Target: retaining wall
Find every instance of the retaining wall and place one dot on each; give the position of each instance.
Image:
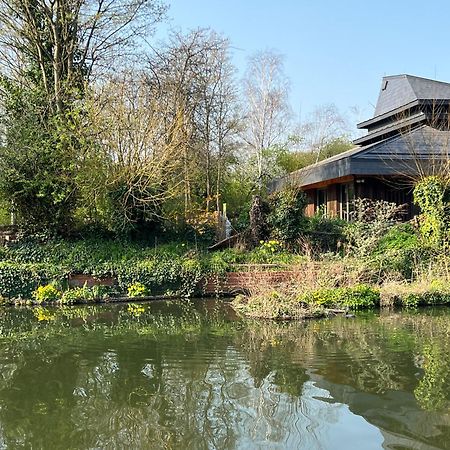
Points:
(236, 282)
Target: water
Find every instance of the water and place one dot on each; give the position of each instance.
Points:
(192, 375)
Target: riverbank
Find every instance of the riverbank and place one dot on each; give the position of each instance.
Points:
(272, 282)
(295, 301)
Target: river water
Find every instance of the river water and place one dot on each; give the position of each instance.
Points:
(193, 375)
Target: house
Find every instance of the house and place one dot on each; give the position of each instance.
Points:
(408, 136)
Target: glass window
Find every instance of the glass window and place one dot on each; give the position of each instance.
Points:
(321, 200)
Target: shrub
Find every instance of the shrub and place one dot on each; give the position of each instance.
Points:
(399, 237)
(357, 297)
(83, 294)
(47, 294)
(205, 224)
(421, 293)
(286, 217)
(372, 220)
(432, 195)
(325, 233)
(137, 290)
(21, 280)
(76, 295)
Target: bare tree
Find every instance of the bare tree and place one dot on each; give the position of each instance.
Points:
(216, 117)
(141, 146)
(195, 72)
(267, 110)
(65, 40)
(322, 126)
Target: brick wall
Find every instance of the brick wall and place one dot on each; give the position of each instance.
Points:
(235, 282)
(89, 280)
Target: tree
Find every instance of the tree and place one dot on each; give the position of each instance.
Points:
(50, 50)
(66, 41)
(197, 78)
(324, 129)
(37, 164)
(141, 149)
(267, 110)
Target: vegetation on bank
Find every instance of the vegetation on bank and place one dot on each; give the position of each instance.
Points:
(139, 268)
(377, 260)
(103, 159)
(373, 260)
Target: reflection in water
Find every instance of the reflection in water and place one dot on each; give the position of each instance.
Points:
(194, 376)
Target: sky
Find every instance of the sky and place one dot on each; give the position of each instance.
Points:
(335, 51)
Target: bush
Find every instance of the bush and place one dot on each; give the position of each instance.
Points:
(372, 220)
(47, 294)
(399, 237)
(83, 294)
(325, 233)
(76, 295)
(432, 195)
(21, 280)
(137, 290)
(357, 297)
(421, 293)
(286, 217)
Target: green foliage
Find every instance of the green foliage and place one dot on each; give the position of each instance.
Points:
(164, 273)
(289, 161)
(21, 280)
(437, 294)
(411, 300)
(137, 290)
(371, 221)
(75, 295)
(286, 216)
(398, 252)
(417, 293)
(398, 262)
(37, 160)
(47, 294)
(356, 297)
(399, 237)
(432, 195)
(325, 234)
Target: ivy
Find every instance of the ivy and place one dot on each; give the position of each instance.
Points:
(432, 195)
(286, 216)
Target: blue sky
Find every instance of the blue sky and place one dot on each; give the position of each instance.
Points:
(335, 51)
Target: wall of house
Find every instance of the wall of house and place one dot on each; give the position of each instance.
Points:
(332, 200)
(311, 199)
(393, 190)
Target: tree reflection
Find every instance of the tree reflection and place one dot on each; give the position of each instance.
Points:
(186, 375)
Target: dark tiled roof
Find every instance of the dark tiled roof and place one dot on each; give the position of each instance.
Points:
(391, 127)
(403, 154)
(399, 90)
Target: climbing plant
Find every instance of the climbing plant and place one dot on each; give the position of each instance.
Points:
(432, 195)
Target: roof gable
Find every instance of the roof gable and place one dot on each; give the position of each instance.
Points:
(400, 90)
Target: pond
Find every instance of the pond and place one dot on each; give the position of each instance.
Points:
(192, 375)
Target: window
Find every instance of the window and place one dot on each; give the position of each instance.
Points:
(321, 201)
(345, 198)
